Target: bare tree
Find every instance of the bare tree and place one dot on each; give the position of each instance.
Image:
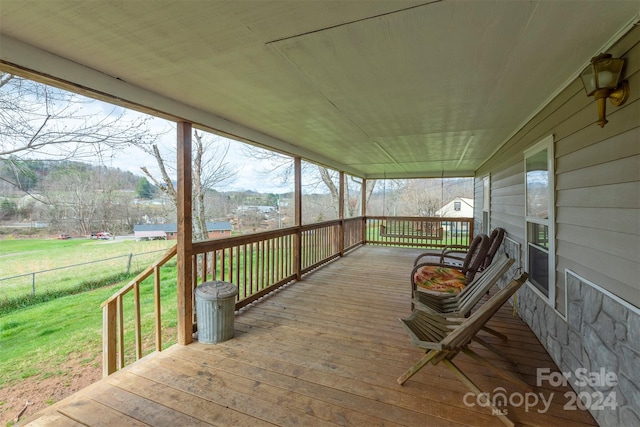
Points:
(210, 168)
(43, 120)
(314, 175)
(327, 177)
(73, 198)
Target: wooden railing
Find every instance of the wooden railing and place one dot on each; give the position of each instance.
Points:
(320, 244)
(430, 232)
(257, 263)
(113, 335)
(352, 230)
(262, 262)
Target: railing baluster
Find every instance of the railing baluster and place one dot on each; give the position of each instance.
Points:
(252, 268)
(194, 284)
(136, 308)
(223, 264)
(120, 332)
(279, 269)
(269, 256)
(231, 264)
(263, 276)
(214, 265)
(157, 307)
(238, 265)
(204, 267)
(244, 271)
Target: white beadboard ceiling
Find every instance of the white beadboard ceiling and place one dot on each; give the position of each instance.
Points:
(374, 88)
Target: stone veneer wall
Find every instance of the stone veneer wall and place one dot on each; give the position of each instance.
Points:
(600, 332)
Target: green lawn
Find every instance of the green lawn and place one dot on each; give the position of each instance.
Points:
(97, 259)
(35, 341)
(12, 247)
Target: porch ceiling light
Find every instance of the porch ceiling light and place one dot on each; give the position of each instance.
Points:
(601, 79)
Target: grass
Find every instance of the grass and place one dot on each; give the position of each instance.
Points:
(17, 247)
(63, 321)
(100, 260)
(9, 304)
(36, 341)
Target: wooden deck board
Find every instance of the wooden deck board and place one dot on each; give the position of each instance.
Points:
(324, 351)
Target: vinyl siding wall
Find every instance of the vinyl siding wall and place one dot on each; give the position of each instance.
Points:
(594, 322)
(597, 184)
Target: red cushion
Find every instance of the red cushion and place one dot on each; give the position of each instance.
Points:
(440, 279)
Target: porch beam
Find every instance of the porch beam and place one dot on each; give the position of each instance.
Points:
(185, 234)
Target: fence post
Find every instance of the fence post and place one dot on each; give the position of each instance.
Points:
(33, 284)
(129, 263)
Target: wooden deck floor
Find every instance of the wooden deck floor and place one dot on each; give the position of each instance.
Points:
(324, 351)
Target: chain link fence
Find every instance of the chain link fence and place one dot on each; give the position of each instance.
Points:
(70, 276)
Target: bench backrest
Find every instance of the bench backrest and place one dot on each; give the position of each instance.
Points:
(496, 238)
(475, 290)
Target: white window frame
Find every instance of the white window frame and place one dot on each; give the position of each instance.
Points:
(486, 204)
(548, 144)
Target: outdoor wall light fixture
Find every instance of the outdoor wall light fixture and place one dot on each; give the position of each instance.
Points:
(601, 80)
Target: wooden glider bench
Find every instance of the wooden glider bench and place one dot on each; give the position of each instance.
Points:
(443, 338)
(431, 230)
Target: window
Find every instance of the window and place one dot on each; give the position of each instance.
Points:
(457, 206)
(539, 219)
(486, 204)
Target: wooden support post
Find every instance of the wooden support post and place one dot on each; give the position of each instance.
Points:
(363, 203)
(297, 242)
(341, 215)
(185, 235)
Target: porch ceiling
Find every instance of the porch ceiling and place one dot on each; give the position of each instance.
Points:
(375, 88)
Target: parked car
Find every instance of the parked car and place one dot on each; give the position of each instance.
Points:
(103, 235)
(63, 236)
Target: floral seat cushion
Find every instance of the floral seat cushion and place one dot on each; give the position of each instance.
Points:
(440, 279)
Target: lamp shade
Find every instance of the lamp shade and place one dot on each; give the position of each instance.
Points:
(603, 73)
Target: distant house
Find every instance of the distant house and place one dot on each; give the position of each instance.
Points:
(251, 209)
(215, 230)
(457, 208)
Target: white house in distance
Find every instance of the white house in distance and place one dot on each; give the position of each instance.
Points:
(216, 230)
(459, 207)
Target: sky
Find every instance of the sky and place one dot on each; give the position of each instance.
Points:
(252, 174)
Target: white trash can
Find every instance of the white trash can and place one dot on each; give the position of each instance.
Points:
(215, 306)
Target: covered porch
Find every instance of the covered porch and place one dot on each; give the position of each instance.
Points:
(375, 90)
(323, 351)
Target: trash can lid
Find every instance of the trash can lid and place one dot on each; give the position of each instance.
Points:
(215, 290)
